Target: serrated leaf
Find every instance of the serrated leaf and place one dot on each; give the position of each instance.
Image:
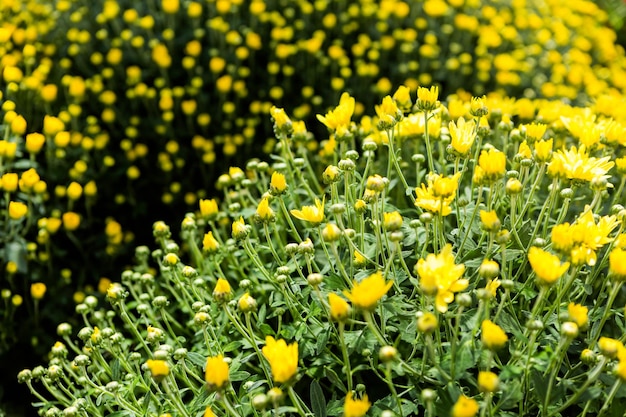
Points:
(239, 376)
(197, 359)
(318, 402)
(334, 379)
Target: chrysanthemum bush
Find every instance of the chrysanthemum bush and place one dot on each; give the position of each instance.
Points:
(432, 260)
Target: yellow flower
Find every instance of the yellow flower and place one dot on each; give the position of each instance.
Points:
(392, 221)
(37, 290)
(369, 291)
(388, 113)
(341, 115)
(548, 268)
(444, 187)
(437, 197)
(339, 308)
(222, 289)
(535, 131)
(427, 322)
(492, 335)
(9, 182)
(578, 314)
(158, 368)
(617, 264)
(543, 150)
(331, 232)
(356, 407)
(264, 212)
(490, 220)
(208, 208)
(71, 220)
(239, 229)
(281, 120)
(18, 125)
(610, 347)
(462, 135)
(488, 381)
(216, 373)
(620, 370)
(283, 358)
(402, 97)
(209, 243)
(524, 151)
(439, 276)
(465, 407)
(576, 164)
(313, 214)
(17, 210)
(52, 125)
(492, 162)
(208, 412)
(278, 184)
(74, 190)
(170, 6)
(34, 142)
(427, 98)
(246, 303)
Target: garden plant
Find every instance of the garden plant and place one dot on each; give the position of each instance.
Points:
(393, 208)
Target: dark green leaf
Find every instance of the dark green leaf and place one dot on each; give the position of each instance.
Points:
(197, 359)
(318, 402)
(334, 379)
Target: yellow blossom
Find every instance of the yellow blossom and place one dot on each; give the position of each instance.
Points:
(239, 229)
(578, 314)
(441, 277)
(71, 220)
(9, 182)
(355, 407)
(17, 210)
(222, 289)
(341, 115)
(388, 113)
(313, 214)
(402, 97)
(492, 162)
(283, 358)
(158, 368)
(427, 99)
(264, 212)
(281, 120)
(524, 152)
(278, 184)
(543, 150)
(208, 208)
(34, 142)
(462, 135)
(216, 373)
(548, 268)
(246, 303)
(610, 347)
(37, 290)
(535, 131)
(490, 220)
(392, 221)
(576, 164)
(492, 335)
(617, 264)
(369, 291)
(427, 322)
(465, 407)
(488, 381)
(209, 243)
(339, 308)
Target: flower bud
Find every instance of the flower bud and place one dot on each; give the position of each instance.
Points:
(387, 353)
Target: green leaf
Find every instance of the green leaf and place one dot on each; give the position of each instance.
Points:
(197, 359)
(540, 384)
(334, 379)
(318, 402)
(239, 376)
(116, 370)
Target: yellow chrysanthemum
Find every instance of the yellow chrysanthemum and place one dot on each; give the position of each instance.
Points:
(341, 115)
(339, 308)
(283, 358)
(465, 407)
(369, 291)
(441, 277)
(492, 335)
(548, 268)
(354, 407)
(462, 135)
(216, 373)
(576, 164)
(313, 214)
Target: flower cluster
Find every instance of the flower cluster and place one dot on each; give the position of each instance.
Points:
(468, 274)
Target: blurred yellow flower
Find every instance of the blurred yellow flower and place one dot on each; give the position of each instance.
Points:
(492, 335)
(264, 212)
(9, 182)
(369, 291)
(492, 162)
(576, 164)
(578, 314)
(543, 150)
(462, 135)
(617, 264)
(209, 243)
(339, 308)
(465, 407)
(488, 381)
(71, 220)
(37, 290)
(208, 208)
(34, 142)
(283, 358)
(216, 373)
(17, 210)
(441, 277)
(548, 268)
(313, 214)
(158, 368)
(278, 183)
(355, 407)
(341, 115)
